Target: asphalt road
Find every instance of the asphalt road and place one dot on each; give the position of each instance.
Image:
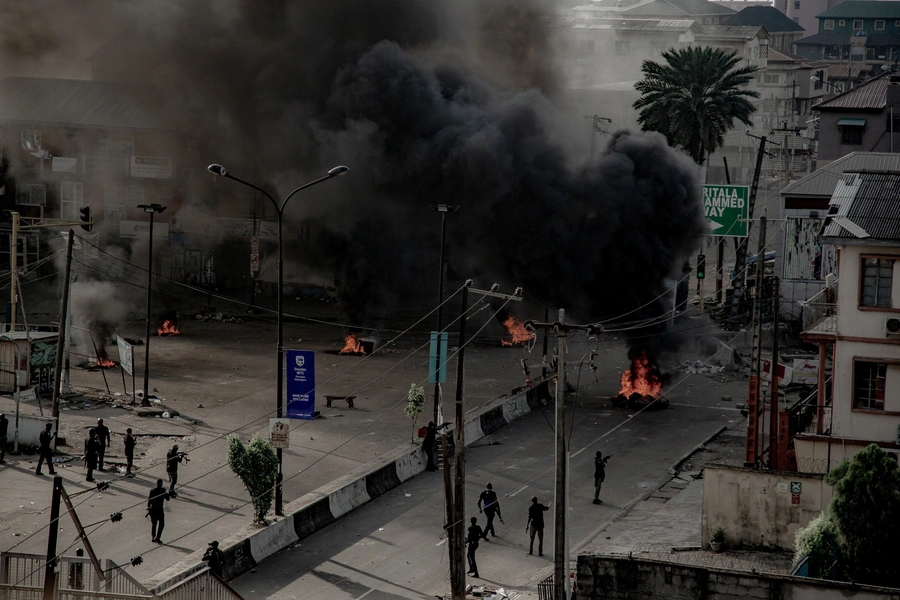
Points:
(393, 547)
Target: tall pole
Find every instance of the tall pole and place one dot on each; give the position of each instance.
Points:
(754, 402)
(458, 582)
(146, 399)
(773, 414)
(279, 498)
(741, 254)
(560, 551)
(437, 383)
(13, 268)
(61, 336)
(50, 567)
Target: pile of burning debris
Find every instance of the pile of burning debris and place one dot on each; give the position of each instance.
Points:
(642, 385)
(218, 318)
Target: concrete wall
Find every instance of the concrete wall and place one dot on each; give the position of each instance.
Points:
(316, 510)
(757, 508)
(30, 428)
(621, 578)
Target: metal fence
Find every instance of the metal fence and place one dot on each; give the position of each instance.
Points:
(203, 585)
(820, 311)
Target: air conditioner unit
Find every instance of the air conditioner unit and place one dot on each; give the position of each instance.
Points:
(892, 326)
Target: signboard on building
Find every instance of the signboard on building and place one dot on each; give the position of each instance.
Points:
(126, 355)
(42, 362)
(154, 167)
(301, 384)
(726, 208)
(64, 164)
(280, 433)
(134, 229)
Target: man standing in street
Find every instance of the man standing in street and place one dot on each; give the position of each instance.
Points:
(173, 457)
(428, 445)
(535, 525)
(474, 534)
(4, 431)
(155, 503)
(130, 443)
(490, 506)
(104, 441)
(91, 453)
(45, 451)
(599, 475)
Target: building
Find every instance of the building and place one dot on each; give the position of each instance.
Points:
(860, 120)
(855, 31)
(804, 12)
(783, 32)
(860, 322)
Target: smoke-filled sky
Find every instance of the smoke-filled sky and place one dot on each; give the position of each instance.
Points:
(427, 101)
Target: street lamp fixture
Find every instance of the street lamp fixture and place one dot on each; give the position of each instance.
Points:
(152, 210)
(838, 89)
(279, 211)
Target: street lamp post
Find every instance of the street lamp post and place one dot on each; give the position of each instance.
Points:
(816, 79)
(152, 210)
(443, 209)
(279, 211)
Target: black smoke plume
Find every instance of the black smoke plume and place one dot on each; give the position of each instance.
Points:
(427, 101)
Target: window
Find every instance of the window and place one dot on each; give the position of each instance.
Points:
(879, 25)
(817, 82)
(31, 194)
(116, 145)
(71, 200)
(842, 22)
(851, 134)
(829, 24)
(893, 122)
(796, 5)
(896, 23)
(623, 47)
(877, 278)
(857, 25)
(868, 384)
(772, 78)
(796, 19)
(31, 139)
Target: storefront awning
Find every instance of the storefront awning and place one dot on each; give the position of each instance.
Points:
(852, 122)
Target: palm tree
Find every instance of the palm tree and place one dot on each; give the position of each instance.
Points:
(694, 98)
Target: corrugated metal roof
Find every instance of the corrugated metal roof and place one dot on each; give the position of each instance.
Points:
(769, 17)
(870, 201)
(88, 103)
(637, 24)
(679, 8)
(862, 9)
(732, 32)
(822, 182)
(847, 71)
(869, 95)
(775, 55)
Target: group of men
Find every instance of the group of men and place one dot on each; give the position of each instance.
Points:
(489, 504)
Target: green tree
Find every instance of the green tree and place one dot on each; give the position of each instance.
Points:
(415, 404)
(694, 98)
(257, 466)
(866, 510)
(819, 541)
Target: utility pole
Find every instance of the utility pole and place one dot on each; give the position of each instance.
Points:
(63, 319)
(50, 567)
(753, 399)
(741, 253)
(13, 268)
(443, 209)
(456, 509)
(561, 582)
(773, 408)
(596, 122)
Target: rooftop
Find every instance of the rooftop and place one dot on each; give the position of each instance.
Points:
(869, 95)
(87, 103)
(862, 9)
(768, 16)
(823, 181)
(683, 8)
(865, 208)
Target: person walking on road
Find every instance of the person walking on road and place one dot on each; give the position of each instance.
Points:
(45, 451)
(155, 503)
(173, 458)
(91, 453)
(535, 525)
(428, 445)
(4, 431)
(104, 441)
(475, 533)
(490, 506)
(130, 442)
(599, 475)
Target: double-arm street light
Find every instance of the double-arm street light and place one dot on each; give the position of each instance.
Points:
(837, 89)
(279, 211)
(152, 210)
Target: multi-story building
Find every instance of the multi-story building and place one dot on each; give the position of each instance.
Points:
(860, 322)
(855, 31)
(782, 31)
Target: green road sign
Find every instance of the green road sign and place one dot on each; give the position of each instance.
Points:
(726, 209)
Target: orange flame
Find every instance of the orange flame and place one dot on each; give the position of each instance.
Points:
(167, 328)
(353, 345)
(105, 363)
(640, 378)
(517, 330)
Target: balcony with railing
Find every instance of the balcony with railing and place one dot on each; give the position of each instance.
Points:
(820, 314)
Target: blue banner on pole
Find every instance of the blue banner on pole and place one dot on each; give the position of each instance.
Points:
(301, 384)
(437, 358)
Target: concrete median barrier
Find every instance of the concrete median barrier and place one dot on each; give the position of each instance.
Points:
(348, 497)
(382, 480)
(273, 538)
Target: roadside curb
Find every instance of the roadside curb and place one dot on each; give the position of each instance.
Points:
(316, 510)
